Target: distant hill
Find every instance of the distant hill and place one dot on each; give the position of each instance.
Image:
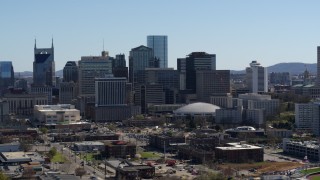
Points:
(292, 68)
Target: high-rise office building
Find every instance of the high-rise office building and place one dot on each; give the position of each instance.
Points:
(70, 72)
(318, 65)
(182, 68)
(111, 91)
(44, 66)
(91, 67)
(148, 94)
(168, 78)
(140, 58)
(211, 82)
(119, 68)
(256, 78)
(6, 75)
(194, 62)
(159, 45)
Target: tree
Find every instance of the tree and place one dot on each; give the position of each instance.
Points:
(43, 130)
(52, 152)
(3, 176)
(80, 172)
(24, 145)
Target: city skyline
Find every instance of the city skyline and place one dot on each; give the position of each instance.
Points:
(238, 32)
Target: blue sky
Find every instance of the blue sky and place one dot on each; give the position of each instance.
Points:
(238, 32)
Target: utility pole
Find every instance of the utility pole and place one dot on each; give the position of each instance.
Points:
(164, 149)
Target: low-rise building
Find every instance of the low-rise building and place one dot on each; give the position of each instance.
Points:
(89, 146)
(161, 141)
(56, 114)
(17, 158)
(120, 149)
(308, 149)
(279, 133)
(135, 172)
(85, 137)
(10, 147)
(239, 153)
(245, 132)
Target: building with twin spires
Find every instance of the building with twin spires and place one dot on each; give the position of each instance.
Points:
(43, 66)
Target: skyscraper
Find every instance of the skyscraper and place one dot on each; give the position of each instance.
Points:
(194, 62)
(159, 45)
(210, 82)
(70, 72)
(44, 66)
(111, 91)
(91, 67)
(140, 58)
(6, 74)
(119, 68)
(256, 78)
(318, 65)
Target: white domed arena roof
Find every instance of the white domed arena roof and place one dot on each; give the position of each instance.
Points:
(197, 108)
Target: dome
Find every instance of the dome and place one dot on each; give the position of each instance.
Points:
(197, 109)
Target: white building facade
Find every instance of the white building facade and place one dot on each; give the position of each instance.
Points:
(56, 114)
(257, 77)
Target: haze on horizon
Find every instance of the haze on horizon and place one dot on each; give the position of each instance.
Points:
(236, 31)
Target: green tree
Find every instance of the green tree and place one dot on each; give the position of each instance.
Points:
(3, 176)
(80, 172)
(43, 130)
(52, 152)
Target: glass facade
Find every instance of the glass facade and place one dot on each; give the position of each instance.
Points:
(159, 44)
(6, 74)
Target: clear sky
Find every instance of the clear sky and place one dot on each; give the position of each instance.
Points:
(238, 32)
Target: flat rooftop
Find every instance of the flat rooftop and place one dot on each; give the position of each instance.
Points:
(21, 156)
(88, 143)
(238, 146)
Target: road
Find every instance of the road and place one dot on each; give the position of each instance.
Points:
(75, 161)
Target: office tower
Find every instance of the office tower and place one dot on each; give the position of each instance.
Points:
(168, 78)
(6, 75)
(194, 62)
(140, 58)
(148, 94)
(70, 72)
(318, 65)
(111, 100)
(110, 91)
(182, 68)
(43, 66)
(119, 68)
(280, 78)
(91, 67)
(68, 92)
(159, 45)
(257, 78)
(212, 82)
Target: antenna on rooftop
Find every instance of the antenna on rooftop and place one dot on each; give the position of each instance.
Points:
(102, 44)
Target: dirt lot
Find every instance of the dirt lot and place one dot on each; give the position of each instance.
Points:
(262, 167)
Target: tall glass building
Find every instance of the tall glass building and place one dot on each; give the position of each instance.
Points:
(6, 74)
(159, 44)
(44, 66)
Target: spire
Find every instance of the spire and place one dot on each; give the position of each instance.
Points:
(102, 44)
(35, 43)
(52, 43)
